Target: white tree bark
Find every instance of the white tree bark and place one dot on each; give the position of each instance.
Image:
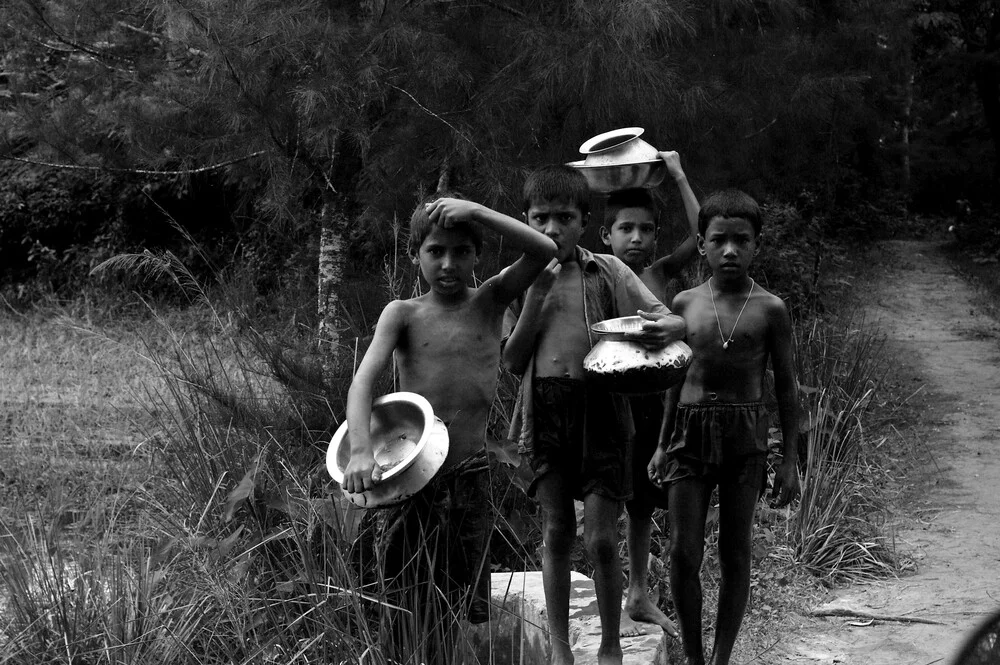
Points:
(331, 274)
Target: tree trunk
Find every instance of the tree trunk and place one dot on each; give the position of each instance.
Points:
(331, 275)
(907, 122)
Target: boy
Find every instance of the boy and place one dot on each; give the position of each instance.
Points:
(715, 425)
(446, 345)
(630, 230)
(575, 439)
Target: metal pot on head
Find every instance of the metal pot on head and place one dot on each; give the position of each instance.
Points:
(619, 159)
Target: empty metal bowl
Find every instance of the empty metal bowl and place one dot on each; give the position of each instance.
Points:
(410, 445)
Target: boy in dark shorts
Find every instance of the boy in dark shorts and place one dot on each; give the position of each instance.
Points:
(575, 438)
(630, 230)
(446, 346)
(715, 425)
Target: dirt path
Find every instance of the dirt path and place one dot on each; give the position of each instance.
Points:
(952, 529)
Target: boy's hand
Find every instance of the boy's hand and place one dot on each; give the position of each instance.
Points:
(543, 283)
(657, 467)
(660, 329)
(673, 161)
(786, 484)
(362, 473)
(447, 212)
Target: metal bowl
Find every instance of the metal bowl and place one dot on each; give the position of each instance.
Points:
(606, 179)
(409, 442)
(618, 147)
(620, 363)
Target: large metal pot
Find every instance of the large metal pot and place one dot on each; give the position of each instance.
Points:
(410, 444)
(619, 159)
(620, 363)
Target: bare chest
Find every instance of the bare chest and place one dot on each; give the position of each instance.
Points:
(564, 339)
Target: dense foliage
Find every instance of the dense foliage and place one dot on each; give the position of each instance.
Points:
(365, 105)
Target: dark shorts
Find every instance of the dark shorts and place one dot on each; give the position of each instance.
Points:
(647, 414)
(448, 522)
(722, 444)
(579, 433)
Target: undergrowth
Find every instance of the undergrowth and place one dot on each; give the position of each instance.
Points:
(236, 547)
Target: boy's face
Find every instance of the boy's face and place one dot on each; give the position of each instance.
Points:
(729, 245)
(632, 237)
(447, 258)
(562, 222)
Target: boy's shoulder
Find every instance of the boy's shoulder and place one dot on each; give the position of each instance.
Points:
(768, 301)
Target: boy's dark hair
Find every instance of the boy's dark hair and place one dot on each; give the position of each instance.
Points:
(729, 203)
(420, 224)
(628, 198)
(557, 183)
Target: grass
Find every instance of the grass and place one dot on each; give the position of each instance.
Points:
(168, 503)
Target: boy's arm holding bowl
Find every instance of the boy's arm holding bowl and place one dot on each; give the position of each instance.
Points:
(786, 476)
(537, 248)
(671, 264)
(362, 472)
(660, 327)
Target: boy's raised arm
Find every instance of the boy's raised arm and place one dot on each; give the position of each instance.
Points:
(362, 472)
(672, 263)
(786, 476)
(538, 249)
(520, 346)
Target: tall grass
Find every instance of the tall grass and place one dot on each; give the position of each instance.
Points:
(237, 547)
(838, 529)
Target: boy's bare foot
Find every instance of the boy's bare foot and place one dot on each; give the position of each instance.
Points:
(641, 608)
(629, 628)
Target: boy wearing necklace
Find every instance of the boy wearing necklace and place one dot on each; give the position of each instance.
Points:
(715, 425)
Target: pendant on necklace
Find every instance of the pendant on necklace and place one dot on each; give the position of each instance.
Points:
(725, 345)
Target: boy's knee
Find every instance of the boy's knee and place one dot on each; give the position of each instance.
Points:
(734, 560)
(601, 545)
(558, 535)
(686, 553)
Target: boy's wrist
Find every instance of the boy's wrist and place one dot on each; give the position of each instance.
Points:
(680, 176)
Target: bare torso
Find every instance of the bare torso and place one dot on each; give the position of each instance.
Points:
(736, 373)
(451, 356)
(563, 340)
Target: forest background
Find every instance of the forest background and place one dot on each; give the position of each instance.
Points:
(264, 157)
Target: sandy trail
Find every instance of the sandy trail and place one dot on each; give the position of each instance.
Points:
(951, 531)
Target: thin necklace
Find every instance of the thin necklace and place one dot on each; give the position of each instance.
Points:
(726, 342)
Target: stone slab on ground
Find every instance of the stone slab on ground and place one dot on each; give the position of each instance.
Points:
(518, 633)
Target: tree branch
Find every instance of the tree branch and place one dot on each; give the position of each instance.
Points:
(857, 614)
(435, 115)
(108, 169)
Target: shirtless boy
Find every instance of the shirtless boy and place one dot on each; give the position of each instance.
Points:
(446, 345)
(715, 425)
(630, 229)
(574, 437)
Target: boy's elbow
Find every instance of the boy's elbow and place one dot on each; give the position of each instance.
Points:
(512, 363)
